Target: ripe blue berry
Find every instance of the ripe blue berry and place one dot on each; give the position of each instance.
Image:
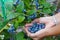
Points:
(42, 25)
(33, 16)
(37, 5)
(24, 10)
(17, 1)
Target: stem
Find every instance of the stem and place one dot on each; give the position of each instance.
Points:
(3, 9)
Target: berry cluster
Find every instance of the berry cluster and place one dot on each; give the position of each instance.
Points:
(33, 16)
(37, 4)
(36, 27)
(11, 29)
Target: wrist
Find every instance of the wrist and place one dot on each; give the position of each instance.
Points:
(57, 16)
(56, 19)
(44, 33)
(48, 32)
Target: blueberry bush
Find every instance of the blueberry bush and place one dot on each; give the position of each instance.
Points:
(14, 14)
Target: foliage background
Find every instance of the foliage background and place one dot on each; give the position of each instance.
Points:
(19, 14)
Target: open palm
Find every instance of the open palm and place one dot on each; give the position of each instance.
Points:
(49, 22)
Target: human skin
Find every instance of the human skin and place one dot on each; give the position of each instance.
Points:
(50, 28)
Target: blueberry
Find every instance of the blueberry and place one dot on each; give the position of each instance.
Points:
(29, 29)
(37, 5)
(42, 25)
(39, 27)
(17, 1)
(33, 29)
(33, 16)
(24, 10)
(8, 30)
(36, 29)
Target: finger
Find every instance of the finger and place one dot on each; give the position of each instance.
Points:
(28, 33)
(24, 29)
(28, 25)
(36, 20)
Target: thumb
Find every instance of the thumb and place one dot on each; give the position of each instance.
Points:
(36, 20)
(28, 25)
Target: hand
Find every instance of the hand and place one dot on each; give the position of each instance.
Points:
(36, 36)
(41, 33)
(49, 21)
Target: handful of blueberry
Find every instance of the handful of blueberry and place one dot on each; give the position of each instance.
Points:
(36, 27)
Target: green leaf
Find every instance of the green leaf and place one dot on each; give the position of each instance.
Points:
(20, 7)
(8, 0)
(30, 12)
(1, 14)
(27, 3)
(8, 5)
(3, 24)
(21, 19)
(47, 11)
(16, 24)
(11, 15)
(6, 34)
(53, 7)
(42, 1)
(19, 36)
(46, 5)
